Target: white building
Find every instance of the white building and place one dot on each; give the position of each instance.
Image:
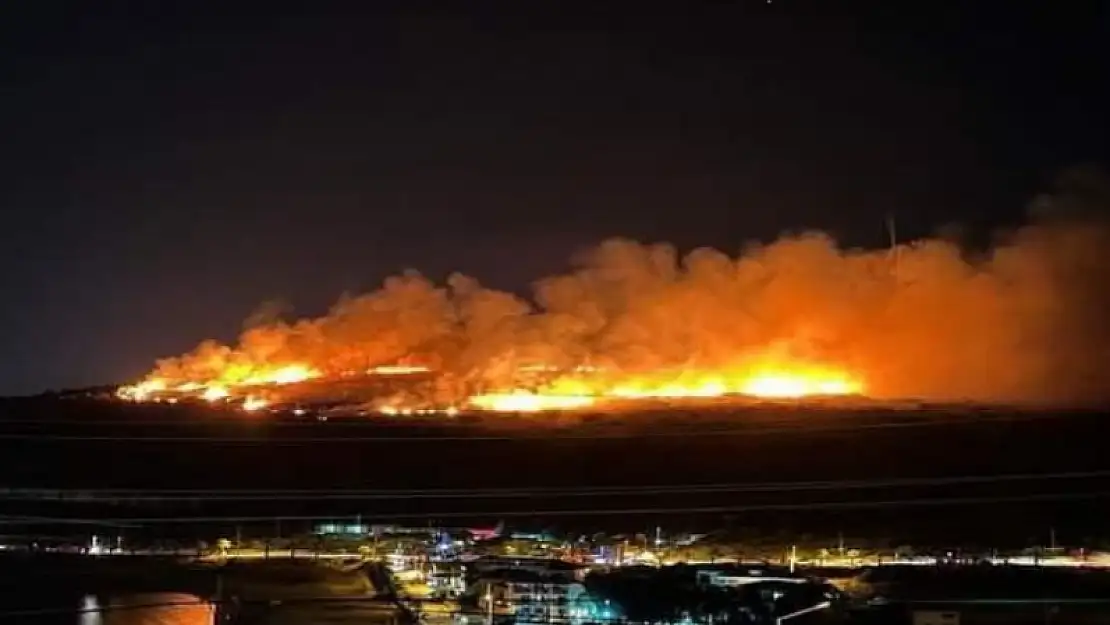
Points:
(530, 597)
(739, 576)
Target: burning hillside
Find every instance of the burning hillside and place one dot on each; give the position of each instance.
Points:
(1023, 322)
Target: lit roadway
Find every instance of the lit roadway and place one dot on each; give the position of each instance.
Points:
(1097, 560)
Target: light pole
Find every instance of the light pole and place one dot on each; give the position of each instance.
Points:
(489, 604)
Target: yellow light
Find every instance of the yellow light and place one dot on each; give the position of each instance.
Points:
(524, 401)
(214, 393)
(396, 370)
(289, 374)
(790, 386)
(141, 391)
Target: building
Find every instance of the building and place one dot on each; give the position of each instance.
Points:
(446, 580)
(341, 529)
(549, 567)
(734, 576)
(529, 596)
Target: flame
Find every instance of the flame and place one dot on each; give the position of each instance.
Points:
(580, 387)
(524, 401)
(215, 393)
(793, 386)
(396, 370)
(143, 390)
(578, 393)
(289, 374)
(797, 317)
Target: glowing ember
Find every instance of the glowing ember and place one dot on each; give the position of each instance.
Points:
(214, 393)
(579, 388)
(783, 385)
(713, 388)
(580, 391)
(290, 374)
(396, 370)
(523, 401)
(141, 391)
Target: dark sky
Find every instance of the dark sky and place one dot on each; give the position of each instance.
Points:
(167, 166)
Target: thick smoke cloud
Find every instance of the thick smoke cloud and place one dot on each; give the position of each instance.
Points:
(1025, 321)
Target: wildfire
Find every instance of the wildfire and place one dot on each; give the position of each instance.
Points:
(577, 393)
(251, 403)
(214, 393)
(781, 385)
(290, 374)
(524, 401)
(220, 388)
(632, 323)
(579, 388)
(396, 370)
(143, 390)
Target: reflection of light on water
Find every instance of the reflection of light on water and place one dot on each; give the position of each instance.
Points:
(182, 610)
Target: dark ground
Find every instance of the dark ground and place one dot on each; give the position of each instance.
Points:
(80, 444)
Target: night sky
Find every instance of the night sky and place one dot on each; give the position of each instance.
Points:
(168, 166)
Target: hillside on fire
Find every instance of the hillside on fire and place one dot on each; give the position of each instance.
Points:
(1022, 322)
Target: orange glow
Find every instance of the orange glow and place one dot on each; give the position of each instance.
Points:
(578, 391)
(798, 317)
(582, 387)
(289, 374)
(396, 370)
(792, 386)
(214, 393)
(142, 391)
(524, 401)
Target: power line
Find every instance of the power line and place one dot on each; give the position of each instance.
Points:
(541, 436)
(80, 495)
(17, 519)
(768, 507)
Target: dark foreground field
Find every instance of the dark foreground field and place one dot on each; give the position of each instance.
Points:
(910, 472)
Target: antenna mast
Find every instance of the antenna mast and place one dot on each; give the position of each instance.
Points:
(892, 231)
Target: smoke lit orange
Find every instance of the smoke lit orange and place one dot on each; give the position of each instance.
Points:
(794, 319)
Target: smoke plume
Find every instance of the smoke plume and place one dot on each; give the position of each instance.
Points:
(1025, 321)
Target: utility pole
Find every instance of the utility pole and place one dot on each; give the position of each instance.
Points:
(893, 233)
(489, 603)
(218, 602)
